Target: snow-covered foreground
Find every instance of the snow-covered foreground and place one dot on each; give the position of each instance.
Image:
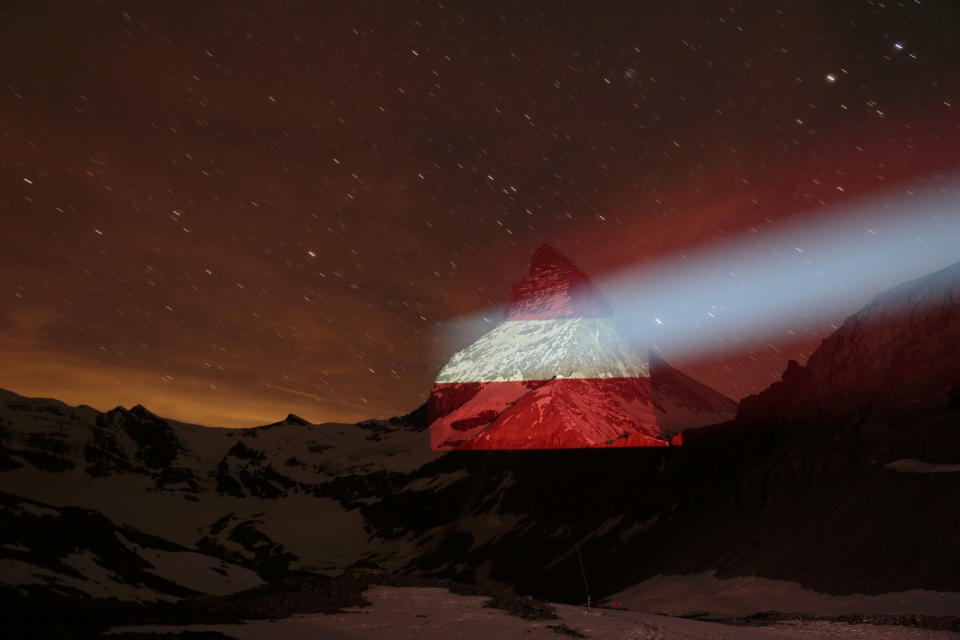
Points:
(408, 613)
(707, 596)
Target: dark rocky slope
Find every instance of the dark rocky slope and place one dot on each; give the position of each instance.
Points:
(807, 493)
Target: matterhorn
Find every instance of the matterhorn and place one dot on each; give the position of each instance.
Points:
(556, 374)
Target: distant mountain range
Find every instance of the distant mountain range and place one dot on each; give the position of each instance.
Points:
(841, 477)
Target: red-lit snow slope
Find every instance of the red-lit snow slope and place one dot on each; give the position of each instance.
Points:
(557, 375)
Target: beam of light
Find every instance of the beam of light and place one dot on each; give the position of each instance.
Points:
(768, 284)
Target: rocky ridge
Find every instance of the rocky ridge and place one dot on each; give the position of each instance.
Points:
(804, 485)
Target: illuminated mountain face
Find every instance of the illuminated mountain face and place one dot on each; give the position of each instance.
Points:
(554, 289)
(556, 374)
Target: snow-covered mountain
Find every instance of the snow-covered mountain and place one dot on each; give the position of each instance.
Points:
(556, 374)
(540, 350)
(79, 552)
(260, 497)
(790, 490)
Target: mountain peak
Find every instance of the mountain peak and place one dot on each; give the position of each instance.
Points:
(142, 412)
(546, 257)
(555, 288)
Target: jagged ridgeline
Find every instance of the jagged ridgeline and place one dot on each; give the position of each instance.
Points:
(786, 490)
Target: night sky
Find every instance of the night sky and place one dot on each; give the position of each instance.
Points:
(228, 211)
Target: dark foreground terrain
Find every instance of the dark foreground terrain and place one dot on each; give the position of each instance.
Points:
(841, 479)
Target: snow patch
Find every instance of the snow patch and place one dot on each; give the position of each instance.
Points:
(909, 465)
(195, 571)
(704, 593)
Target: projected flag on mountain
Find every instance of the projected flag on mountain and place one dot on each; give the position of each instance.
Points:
(554, 375)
